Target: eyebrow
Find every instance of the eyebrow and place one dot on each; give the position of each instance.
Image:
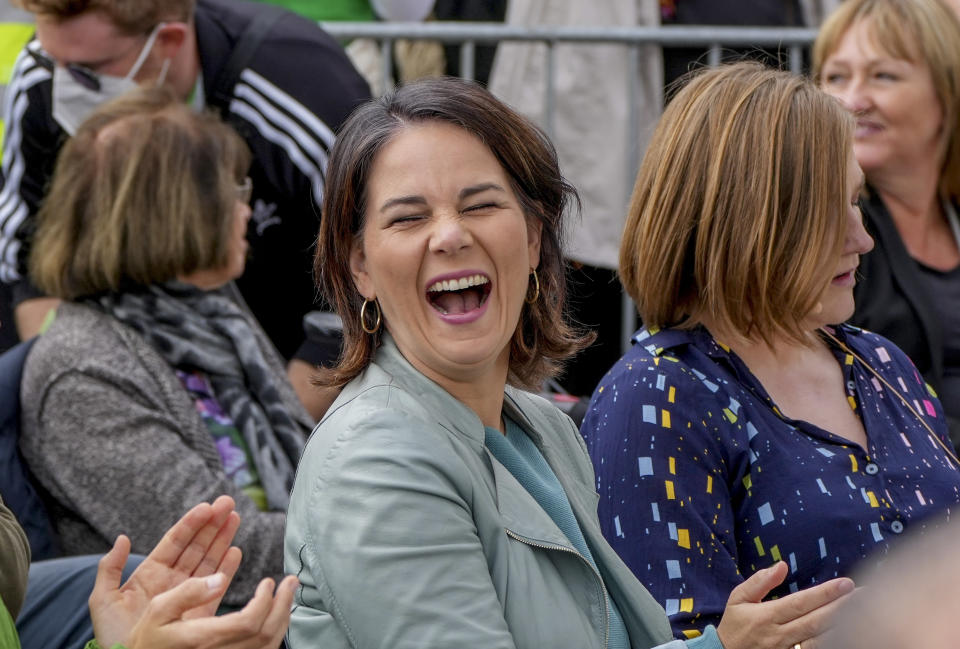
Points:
(874, 62)
(466, 192)
(403, 200)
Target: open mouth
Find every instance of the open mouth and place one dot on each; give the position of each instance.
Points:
(458, 296)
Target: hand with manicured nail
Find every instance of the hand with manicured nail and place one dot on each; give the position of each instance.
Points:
(170, 599)
(259, 625)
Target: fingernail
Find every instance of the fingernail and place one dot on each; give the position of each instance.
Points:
(294, 584)
(215, 581)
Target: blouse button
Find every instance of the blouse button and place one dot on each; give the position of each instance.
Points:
(896, 527)
(871, 469)
(851, 386)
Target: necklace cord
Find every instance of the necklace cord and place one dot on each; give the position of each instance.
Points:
(845, 348)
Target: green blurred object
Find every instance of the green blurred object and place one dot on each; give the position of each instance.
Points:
(348, 10)
(13, 36)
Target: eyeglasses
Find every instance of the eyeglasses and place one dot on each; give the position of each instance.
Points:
(245, 190)
(87, 77)
(80, 73)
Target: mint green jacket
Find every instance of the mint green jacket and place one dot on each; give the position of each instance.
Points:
(405, 531)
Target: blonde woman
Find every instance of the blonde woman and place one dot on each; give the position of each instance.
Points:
(895, 65)
(747, 427)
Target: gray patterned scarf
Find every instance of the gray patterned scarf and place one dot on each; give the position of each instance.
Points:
(208, 331)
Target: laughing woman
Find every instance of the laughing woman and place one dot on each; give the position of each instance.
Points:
(437, 503)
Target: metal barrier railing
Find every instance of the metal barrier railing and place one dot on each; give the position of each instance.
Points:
(713, 39)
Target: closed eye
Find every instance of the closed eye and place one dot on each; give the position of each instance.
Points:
(479, 207)
(404, 219)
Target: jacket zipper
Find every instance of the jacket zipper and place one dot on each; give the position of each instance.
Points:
(560, 548)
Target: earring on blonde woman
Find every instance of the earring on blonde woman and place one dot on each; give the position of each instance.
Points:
(363, 317)
(536, 288)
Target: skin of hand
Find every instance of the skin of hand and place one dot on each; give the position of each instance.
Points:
(198, 545)
(801, 617)
(259, 625)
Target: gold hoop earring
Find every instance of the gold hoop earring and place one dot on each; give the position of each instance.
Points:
(363, 317)
(536, 288)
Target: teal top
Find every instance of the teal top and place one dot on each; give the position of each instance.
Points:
(521, 457)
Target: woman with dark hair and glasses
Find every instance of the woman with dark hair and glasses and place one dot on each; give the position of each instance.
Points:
(153, 388)
(438, 503)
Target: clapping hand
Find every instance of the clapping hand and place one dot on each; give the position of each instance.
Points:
(170, 599)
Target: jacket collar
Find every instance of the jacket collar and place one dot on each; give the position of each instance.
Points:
(450, 412)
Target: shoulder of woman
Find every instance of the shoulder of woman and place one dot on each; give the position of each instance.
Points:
(882, 354)
(671, 375)
(78, 337)
(383, 421)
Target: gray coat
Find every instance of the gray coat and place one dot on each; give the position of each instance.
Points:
(118, 444)
(405, 531)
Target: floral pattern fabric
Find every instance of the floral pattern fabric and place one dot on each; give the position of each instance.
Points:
(234, 453)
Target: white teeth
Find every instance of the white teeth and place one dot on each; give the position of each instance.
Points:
(458, 284)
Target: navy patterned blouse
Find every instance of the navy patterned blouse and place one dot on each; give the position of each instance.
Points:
(702, 481)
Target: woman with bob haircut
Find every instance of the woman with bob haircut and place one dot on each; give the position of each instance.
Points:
(153, 389)
(747, 427)
(895, 65)
(439, 504)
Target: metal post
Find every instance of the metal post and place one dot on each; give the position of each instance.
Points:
(796, 59)
(628, 319)
(386, 63)
(467, 60)
(713, 57)
(551, 95)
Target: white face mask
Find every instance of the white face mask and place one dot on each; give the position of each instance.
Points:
(73, 102)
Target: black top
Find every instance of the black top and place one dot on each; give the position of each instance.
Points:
(772, 13)
(945, 286)
(894, 299)
(290, 99)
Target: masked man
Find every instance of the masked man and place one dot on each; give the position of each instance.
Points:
(281, 81)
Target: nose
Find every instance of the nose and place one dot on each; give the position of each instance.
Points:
(858, 240)
(449, 235)
(855, 97)
(243, 211)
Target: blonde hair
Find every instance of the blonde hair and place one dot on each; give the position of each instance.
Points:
(738, 212)
(923, 32)
(133, 18)
(144, 192)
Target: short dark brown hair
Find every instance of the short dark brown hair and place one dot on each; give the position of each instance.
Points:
(143, 192)
(542, 340)
(130, 17)
(737, 215)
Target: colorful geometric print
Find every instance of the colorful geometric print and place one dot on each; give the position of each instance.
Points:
(702, 482)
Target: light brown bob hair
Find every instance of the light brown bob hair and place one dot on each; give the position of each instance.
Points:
(738, 214)
(144, 192)
(542, 339)
(924, 32)
(132, 17)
